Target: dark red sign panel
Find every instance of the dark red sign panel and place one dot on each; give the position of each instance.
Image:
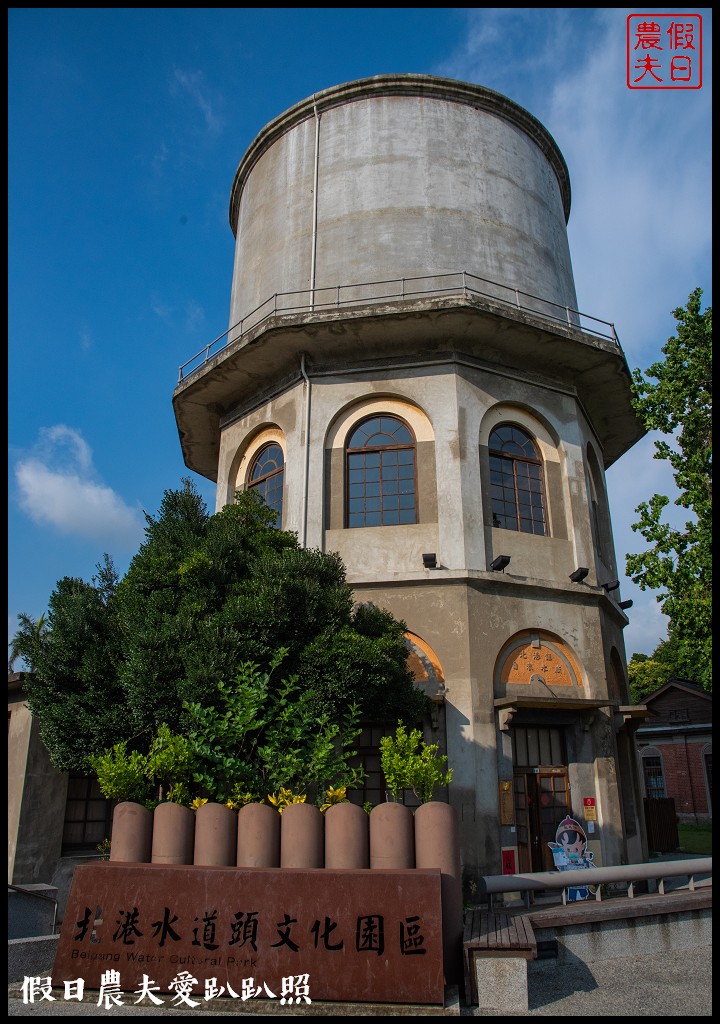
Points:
(290, 934)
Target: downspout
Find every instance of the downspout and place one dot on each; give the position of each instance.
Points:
(306, 466)
(313, 244)
(313, 248)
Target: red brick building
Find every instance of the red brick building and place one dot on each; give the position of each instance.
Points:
(675, 748)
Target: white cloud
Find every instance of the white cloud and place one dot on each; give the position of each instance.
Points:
(639, 161)
(640, 223)
(87, 342)
(193, 84)
(58, 489)
(194, 316)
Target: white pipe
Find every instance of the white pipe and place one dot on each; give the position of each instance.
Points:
(306, 467)
(490, 884)
(315, 205)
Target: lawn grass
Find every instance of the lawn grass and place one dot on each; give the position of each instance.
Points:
(696, 839)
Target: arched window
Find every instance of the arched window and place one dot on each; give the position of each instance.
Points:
(516, 481)
(381, 473)
(266, 476)
(653, 773)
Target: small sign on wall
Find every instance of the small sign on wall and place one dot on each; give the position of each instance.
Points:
(505, 799)
(589, 808)
(509, 861)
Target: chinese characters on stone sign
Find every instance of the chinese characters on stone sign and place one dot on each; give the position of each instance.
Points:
(664, 51)
(349, 930)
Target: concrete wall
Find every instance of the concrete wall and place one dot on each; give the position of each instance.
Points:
(451, 415)
(367, 183)
(36, 800)
(463, 610)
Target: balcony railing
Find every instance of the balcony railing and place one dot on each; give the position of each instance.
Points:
(346, 296)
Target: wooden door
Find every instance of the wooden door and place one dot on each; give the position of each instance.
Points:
(542, 800)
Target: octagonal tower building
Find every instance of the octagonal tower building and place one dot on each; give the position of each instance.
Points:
(408, 381)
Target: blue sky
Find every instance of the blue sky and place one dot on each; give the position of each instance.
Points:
(126, 127)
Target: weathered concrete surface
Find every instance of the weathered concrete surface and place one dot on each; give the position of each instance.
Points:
(31, 957)
(610, 940)
(502, 981)
(31, 911)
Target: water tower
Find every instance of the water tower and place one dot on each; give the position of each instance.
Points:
(408, 381)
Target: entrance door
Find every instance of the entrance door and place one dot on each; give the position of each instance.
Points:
(542, 800)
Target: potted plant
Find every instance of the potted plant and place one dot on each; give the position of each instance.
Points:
(410, 763)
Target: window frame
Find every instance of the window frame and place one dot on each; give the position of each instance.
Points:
(514, 460)
(653, 766)
(348, 451)
(84, 797)
(253, 485)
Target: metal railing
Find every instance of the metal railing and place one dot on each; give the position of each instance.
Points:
(346, 296)
(38, 896)
(629, 874)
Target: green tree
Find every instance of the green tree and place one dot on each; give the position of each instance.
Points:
(73, 653)
(675, 398)
(115, 660)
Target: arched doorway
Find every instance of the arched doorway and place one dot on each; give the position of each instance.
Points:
(534, 665)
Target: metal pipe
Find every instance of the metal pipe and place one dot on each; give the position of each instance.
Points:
(489, 884)
(306, 466)
(313, 243)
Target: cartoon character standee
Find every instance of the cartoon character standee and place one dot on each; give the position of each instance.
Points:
(570, 853)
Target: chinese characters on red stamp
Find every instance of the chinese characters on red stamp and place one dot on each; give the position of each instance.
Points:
(664, 51)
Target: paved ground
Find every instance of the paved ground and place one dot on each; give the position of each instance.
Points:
(672, 984)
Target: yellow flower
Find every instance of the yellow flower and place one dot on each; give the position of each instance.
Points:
(334, 796)
(284, 798)
(198, 802)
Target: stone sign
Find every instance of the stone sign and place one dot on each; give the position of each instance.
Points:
(345, 935)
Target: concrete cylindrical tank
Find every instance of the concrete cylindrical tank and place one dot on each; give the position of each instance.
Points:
(437, 845)
(400, 176)
(392, 837)
(215, 835)
(173, 837)
(132, 830)
(258, 837)
(347, 837)
(302, 837)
